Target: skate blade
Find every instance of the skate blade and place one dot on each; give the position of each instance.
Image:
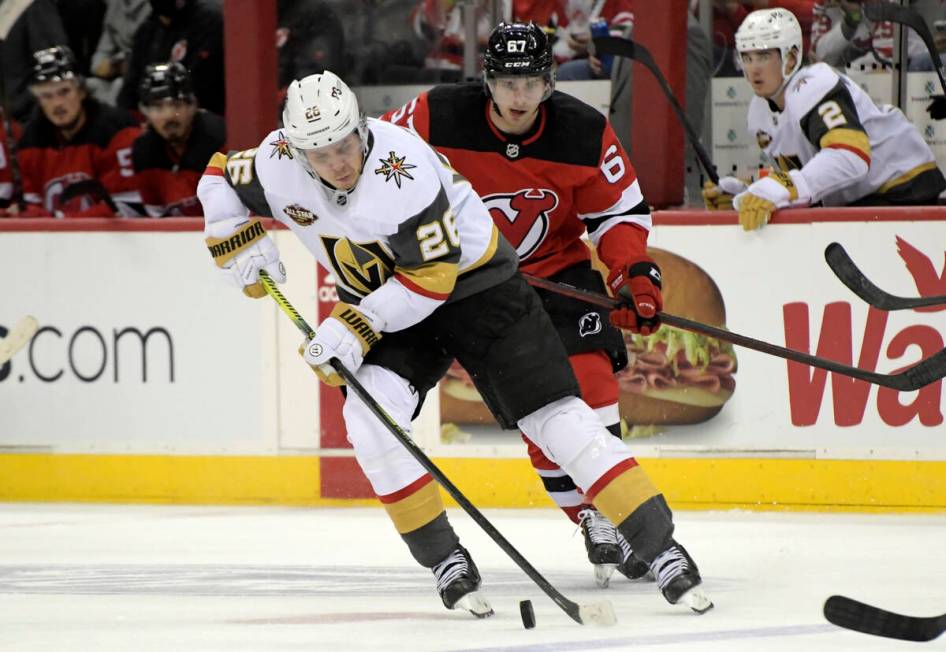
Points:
(476, 604)
(597, 613)
(696, 600)
(603, 573)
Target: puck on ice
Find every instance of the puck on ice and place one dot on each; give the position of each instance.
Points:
(527, 613)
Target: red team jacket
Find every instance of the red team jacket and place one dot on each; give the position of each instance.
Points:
(544, 189)
(100, 151)
(168, 183)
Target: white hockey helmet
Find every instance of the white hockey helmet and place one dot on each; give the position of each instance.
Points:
(767, 29)
(321, 110)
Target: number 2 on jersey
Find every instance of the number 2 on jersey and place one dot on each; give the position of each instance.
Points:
(431, 238)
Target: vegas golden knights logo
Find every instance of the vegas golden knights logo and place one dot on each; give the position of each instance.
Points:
(362, 267)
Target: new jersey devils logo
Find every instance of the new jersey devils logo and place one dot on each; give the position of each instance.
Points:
(523, 217)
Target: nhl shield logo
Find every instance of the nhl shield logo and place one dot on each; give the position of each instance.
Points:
(762, 139)
(589, 324)
(299, 215)
(512, 150)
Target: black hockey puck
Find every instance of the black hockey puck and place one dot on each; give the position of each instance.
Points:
(527, 613)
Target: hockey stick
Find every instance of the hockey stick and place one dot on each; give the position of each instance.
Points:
(629, 49)
(919, 375)
(17, 338)
(845, 269)
(599, 613)
(894, 13)
(851, 614)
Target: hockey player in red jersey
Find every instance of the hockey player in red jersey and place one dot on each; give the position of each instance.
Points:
(171, 154)
(549, 167)
(75, 154)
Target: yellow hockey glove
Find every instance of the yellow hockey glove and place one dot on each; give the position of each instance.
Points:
(764, 197)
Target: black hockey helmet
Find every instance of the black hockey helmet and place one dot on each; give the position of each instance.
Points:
(54, 64)
(163, 81)
(518, 49)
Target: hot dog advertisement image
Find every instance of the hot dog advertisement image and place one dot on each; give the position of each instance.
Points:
(673, 378)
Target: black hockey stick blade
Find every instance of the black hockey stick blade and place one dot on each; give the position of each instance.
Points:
(597, 613)
(844, 268)
(860, 617)
(894, 13)
(622, 47)
(919, 375)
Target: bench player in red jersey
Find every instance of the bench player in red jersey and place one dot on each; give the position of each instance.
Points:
(550, 168)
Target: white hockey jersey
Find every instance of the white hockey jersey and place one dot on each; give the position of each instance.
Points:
(845, 146)
(410, 236)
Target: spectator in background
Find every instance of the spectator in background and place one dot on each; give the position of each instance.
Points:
(826, 139)
(38, 27)
(110, 59)
(82, 20)
(440, 22)
(310, 38)
(574, 36)
(75, 154)
(189, 32)
(172, 153)
(842, 36)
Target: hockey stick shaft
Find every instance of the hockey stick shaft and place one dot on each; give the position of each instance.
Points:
(923, 373)
(844, 268)
(629, 49)
(577, 612)
(861, 617)
(894, 13)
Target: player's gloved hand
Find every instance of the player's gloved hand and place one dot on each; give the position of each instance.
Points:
(757, 203)
(719, 197)
(347, 334)
(241, 248)
(937, 108)
(637, 286)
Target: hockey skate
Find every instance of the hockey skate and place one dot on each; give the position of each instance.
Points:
(601, 543)
(632, 567)
(679, 579)
(458, 581)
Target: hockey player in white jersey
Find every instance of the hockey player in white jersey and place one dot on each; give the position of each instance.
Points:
(826, 140)
(424, 277)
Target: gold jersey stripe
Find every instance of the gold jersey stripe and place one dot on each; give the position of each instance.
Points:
(908, 176)
(417, 509)
(435, 279)
(488, 254)
(850, 139)
(624, 494)
(218, 161)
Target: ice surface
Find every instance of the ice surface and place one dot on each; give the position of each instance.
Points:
(110, 578)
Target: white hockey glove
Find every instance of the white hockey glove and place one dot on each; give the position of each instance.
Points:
(347, 334)
(241, 248)
(719, 197)
(776, 190)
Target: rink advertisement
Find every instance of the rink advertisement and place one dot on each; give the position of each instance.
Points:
(151, 379)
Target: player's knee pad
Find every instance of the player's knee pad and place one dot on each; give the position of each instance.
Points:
(571, 435)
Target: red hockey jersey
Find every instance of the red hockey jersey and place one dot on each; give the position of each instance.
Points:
(98, 155)
(168, 182)
(545, 188)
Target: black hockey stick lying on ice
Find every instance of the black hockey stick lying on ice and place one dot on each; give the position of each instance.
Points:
(894, 13)
(919, 375)
(598, 613)
(622, 47)
(849, 274)
(851, 614)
